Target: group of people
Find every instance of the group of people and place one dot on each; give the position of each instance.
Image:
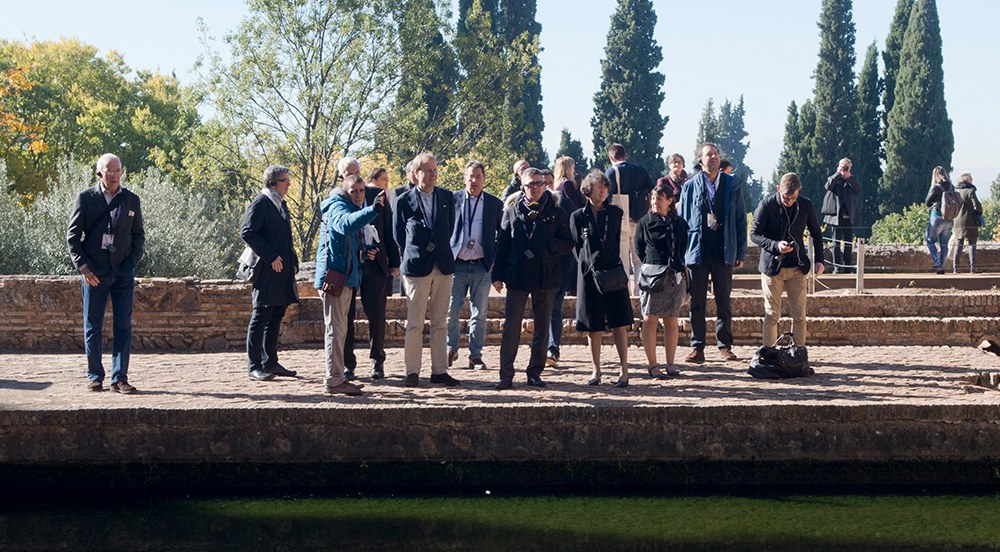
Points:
(549, 236)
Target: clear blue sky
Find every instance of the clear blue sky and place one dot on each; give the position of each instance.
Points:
(764, 50)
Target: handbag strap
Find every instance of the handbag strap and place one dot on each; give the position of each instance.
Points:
(788, 338)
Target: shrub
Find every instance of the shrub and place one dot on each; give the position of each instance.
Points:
(907, 227)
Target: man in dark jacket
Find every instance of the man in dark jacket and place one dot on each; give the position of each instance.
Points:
(534, 233)
(840, 213)
(779, 224)
(267, 229)
(630, 187)
(422, 227)
(106, 240)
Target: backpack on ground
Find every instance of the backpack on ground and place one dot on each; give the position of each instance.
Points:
(951, 202)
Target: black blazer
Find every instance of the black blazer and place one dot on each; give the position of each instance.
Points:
(549, 240)
(492, 210)
(661, 242)
(88, 222)
(636, 182)
(270, 236)
(387, 256)
(771, 225)
(424, 247)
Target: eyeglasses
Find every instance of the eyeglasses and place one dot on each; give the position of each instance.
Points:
(535, 184)
(284, 180)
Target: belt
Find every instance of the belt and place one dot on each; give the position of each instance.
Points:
(470, 261)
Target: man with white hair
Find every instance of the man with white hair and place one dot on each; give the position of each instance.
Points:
(106, 240)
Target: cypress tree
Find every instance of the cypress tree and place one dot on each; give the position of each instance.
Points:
(523, 87)
(708, 128)
(835, 92)
(995, 189)
(788, 160)
(572, 148)
(890, 59)
(731, 135)
(627, 106)
(866, 163)
(920, 134)
(813, 177)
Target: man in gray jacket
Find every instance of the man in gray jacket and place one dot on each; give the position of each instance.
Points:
(840, 212)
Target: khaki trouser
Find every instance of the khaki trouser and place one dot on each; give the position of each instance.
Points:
(334, 333)
(792, 281)
(428, 297)
(626, 242)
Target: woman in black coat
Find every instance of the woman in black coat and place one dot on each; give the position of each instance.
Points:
(596, 231)
(267, 230)
(660, 242)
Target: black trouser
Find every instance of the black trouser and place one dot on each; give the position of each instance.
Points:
(262, 336)
(374, 290)
(722, 285)
(842, 251)
(541, 308)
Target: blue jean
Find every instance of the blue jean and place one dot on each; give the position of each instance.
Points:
(95, 298)
(472, 280)
(938, 234)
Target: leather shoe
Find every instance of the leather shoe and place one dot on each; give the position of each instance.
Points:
(621, 383)
(477, 364)
(378, 371)
(445, 379)
(95, 385)
(673, 371)
(349, 374)
(594, 381)
(536, 382)
(261, 375)
(412, 380)
(727, 354)
(503, 384)
(697, 356)
(656, 376)
(280, 370)
(346, 388)
(123, 387)
(452, 357)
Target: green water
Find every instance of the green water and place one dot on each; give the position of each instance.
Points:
(851, 522)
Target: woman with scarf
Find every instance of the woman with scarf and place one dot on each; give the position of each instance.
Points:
(674, 180)
(596, 229)
(533, 235)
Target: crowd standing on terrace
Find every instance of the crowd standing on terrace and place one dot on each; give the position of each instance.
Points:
(603, 237)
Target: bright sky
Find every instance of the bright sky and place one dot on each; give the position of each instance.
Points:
(766, 51)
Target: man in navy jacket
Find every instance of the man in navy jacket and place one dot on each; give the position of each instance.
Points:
(473, 242)
(424, 220)
(106, 240)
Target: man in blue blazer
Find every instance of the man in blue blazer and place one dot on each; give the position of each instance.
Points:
(473, 242)
(424, 219)
(106, 240)
(712, 206)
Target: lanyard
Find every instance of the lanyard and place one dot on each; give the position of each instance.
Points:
(420, 201)
(471, 213)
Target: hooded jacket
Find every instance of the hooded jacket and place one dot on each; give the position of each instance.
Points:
(548, 238)
(340, 237)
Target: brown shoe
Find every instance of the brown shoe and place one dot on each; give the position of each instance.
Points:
(346, 388)
(95, 385)
(477, 364)
(452, 357)
(123, 387)
(727, 354)
(697, 356)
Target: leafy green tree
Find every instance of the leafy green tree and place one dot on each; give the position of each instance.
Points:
(920, 132)
(573, 148)
(995, 189)
(627, 105)
(866, 162)
(835, 92)
(906, 226)
(300, 87)
(521, 30)
(890, 60)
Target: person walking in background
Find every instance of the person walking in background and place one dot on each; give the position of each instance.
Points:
(967, 222)
(712, 207)
(106, 240)
(840, 213)
(660, 242)
(341, 250)
(938, 227)
(596, 230)
(630, 187)
(424, 219)
(779, 224)
(565, 178)
(533, 235)
(675, 178)
(473, 242)
(267, 230)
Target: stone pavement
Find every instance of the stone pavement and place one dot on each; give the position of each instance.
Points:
(845, 376)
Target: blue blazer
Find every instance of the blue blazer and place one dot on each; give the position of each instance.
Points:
(694, 213)
(492, 210)
(421, 247)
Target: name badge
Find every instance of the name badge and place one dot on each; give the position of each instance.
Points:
(472, 243)
(711, 220)
(431, 247)
(528, 254)
(107, 241)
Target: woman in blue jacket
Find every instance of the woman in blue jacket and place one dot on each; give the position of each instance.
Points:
(339, 251)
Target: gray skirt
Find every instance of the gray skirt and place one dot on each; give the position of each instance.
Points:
(669, 302)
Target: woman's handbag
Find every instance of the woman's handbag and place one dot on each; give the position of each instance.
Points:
(246, 266)
(781, 361)
(653, 277)
(609, 280)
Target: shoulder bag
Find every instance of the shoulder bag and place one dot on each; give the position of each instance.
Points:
(607, 280)
(781, 361)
